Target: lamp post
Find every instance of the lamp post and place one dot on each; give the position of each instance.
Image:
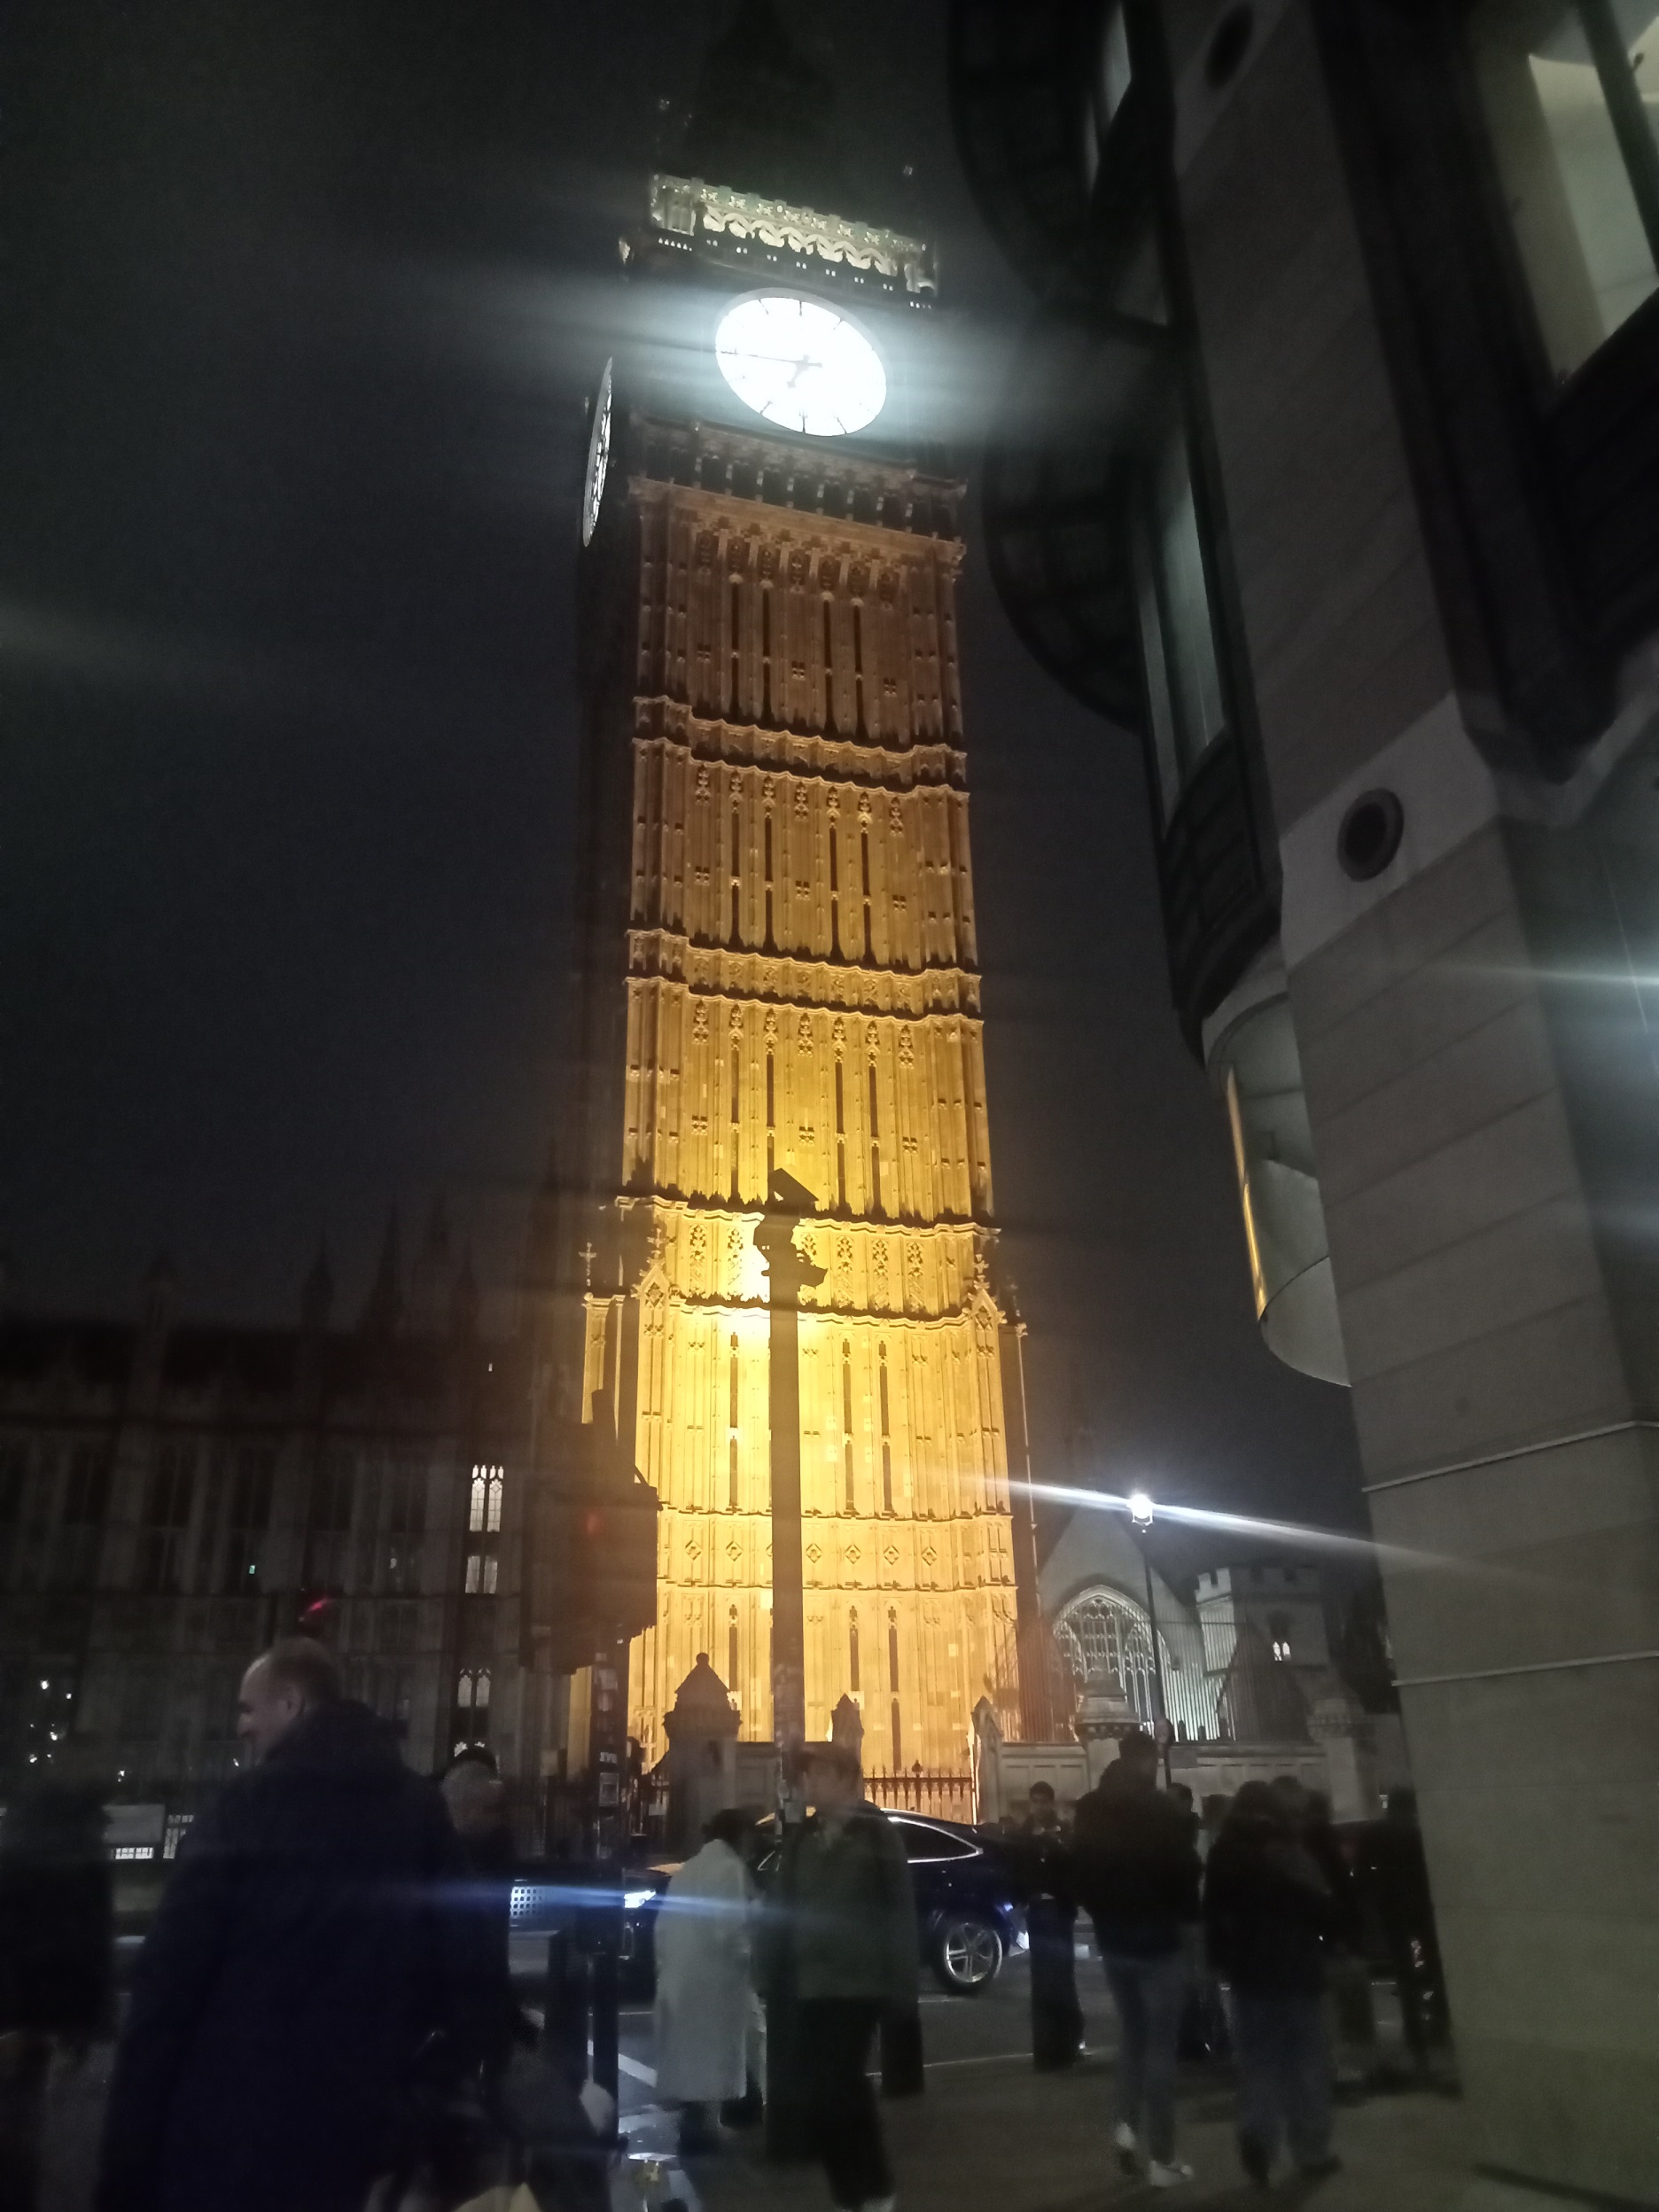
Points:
(1140, 1517)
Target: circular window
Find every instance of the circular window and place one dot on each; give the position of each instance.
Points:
(1229, 46)
(1370, 835)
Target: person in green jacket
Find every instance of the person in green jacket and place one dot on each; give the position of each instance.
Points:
(842, 1930)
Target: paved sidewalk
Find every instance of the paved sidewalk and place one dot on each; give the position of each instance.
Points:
(998, 2134)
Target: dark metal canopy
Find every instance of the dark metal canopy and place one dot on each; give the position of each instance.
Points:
(1019, 78)
(1065, 436)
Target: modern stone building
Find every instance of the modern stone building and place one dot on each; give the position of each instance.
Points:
(1328, 471)
(781, 983)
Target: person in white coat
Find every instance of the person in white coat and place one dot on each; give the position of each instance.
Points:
(703, 2001)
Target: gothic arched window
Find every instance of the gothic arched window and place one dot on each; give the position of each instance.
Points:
(1103, 1637)
(840, 1115)
(875, 1136)
(886, 1437)
(847, 1422)
(732, 1425)
(472, 1707)
(484, 1514)
(893, 1683)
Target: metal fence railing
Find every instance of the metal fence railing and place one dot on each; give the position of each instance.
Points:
(946, 1796)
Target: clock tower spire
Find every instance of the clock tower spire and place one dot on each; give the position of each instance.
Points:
(765, 120)
(780, 985)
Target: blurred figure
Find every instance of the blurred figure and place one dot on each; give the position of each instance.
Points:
(1397, 1871)
(305, 1949)
(1042, 1850)
(704, 1995)
(1137, 1872)
(1196, 2038)
(841, 1930)
(1214, 2037)
(527, 2094)
(1267, 1912)
(477, 1799)
(57, 1955)
(1349, 2016)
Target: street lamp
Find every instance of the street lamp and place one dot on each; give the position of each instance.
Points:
(1140, 1517)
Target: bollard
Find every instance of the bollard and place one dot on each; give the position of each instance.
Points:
(902, 2073)
(564, 2023)
(1056, 2016)
(606, 1945)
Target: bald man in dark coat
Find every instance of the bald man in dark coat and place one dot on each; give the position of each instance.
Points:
(313, 1935)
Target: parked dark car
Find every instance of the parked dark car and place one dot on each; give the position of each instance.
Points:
(966, 1892)
(966, 1896)
(542, 1908)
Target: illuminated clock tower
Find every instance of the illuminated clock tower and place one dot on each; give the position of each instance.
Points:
(780, 989)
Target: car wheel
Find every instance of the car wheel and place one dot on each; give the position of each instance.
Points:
(967, 1954)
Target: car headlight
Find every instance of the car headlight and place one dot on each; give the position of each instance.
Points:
(633, 1900)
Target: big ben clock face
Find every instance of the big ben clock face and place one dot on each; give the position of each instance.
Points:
(599, 456)
(800, 364)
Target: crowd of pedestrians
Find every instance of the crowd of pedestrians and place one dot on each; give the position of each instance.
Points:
(1228, 1932)
(1256, 1894)
(324, 2017)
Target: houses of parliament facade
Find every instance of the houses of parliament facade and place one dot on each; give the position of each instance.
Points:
(173, 1496)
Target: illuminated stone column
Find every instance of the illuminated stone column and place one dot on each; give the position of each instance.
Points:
(787, 1274)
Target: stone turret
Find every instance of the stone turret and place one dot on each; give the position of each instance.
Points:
(316, 1298)
(702, 1730)
(431, 1277)
(383, 1310)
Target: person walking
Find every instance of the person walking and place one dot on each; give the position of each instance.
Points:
(526, 2093)
(305, 1949)
(1192, 2039)
(56, 1957)
(840, 1934)
(1396, 1870)
(1268, 1909)
(704, 1997)
(1137, 1874)
(1042, 1852)
(1350, 2013)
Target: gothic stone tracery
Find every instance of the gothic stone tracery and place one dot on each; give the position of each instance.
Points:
(802, 993)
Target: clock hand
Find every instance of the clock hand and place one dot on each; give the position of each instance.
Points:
(777, 361)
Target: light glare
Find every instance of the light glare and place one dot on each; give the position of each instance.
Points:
(800, 365)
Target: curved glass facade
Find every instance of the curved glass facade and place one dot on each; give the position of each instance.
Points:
(1569, 92)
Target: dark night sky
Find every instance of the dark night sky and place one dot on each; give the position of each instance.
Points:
(304, 297)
